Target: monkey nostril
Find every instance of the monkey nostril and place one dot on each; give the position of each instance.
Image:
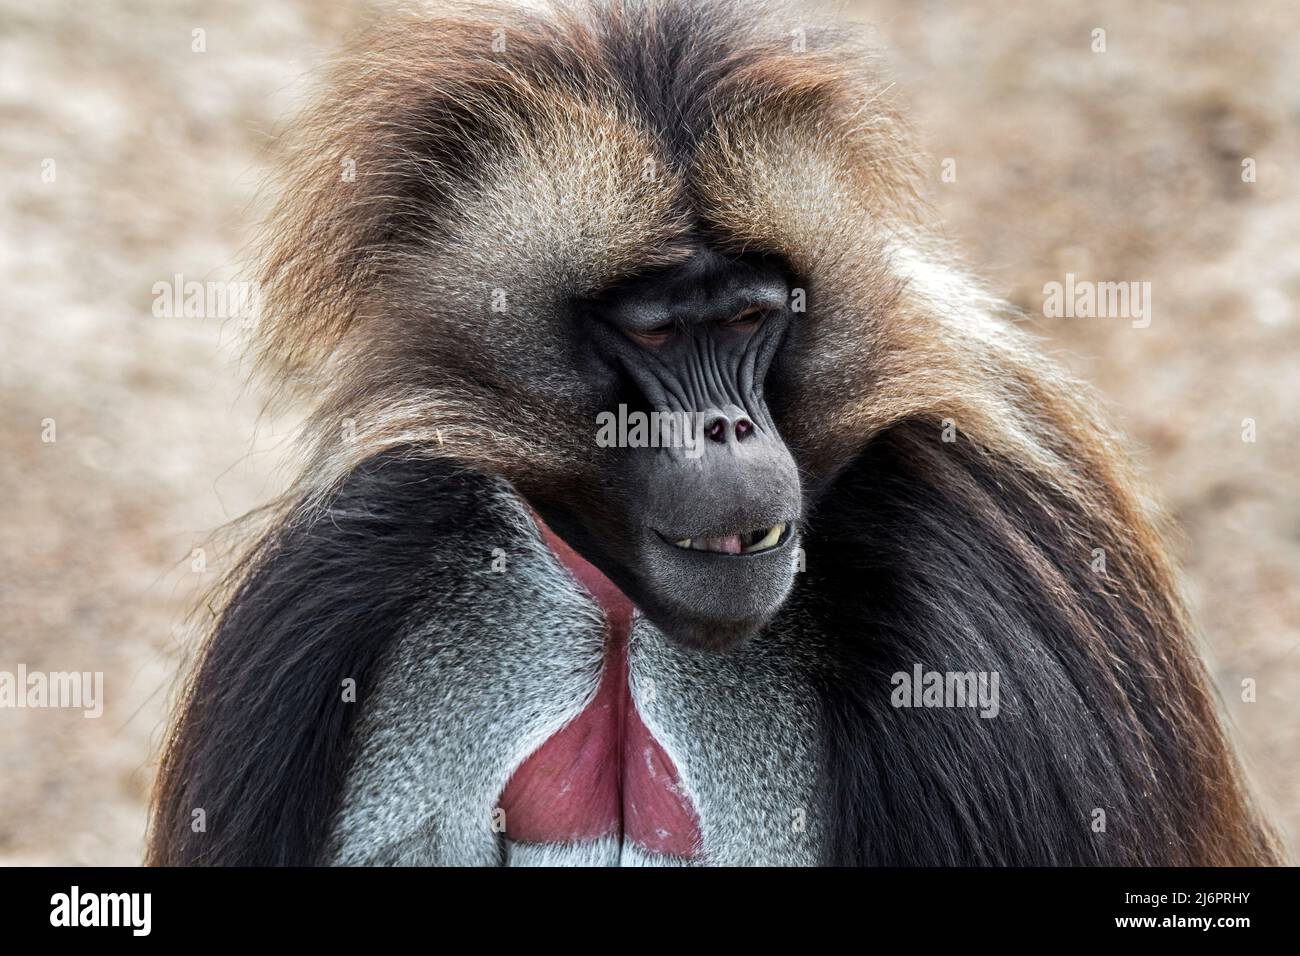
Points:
(716, 430)
(744, 428)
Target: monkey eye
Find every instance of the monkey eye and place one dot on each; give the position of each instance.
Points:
(655, 336)
(748, 320)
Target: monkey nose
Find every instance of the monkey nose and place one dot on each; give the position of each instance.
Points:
(719, 428)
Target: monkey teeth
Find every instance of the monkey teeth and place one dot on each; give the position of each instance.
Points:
(748, 543)
(770, 540)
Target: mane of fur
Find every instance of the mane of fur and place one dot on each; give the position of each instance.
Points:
(535, 157)
(526, 159)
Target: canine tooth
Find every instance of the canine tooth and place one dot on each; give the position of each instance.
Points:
(770, 539)
(684, 543)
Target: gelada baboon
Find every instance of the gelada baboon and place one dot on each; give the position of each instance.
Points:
(477, 633)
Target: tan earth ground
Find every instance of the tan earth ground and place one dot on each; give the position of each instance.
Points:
(1123, 165)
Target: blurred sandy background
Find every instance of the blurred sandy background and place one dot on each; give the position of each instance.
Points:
(1116, 166)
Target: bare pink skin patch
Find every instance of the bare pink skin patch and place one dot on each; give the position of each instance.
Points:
(603, 774)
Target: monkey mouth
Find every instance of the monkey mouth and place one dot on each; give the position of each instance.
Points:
(746, 542)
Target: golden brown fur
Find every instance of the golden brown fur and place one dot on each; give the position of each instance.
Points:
(524, 170)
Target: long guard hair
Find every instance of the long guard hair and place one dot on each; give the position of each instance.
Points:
(552, 153)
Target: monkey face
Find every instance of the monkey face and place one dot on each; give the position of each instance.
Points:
(698, 520)
(553, 252)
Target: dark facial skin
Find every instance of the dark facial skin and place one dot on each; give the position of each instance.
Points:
(700, 536)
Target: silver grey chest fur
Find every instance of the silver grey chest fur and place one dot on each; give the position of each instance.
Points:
(503, 659)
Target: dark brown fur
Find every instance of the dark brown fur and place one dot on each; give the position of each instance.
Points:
(522, 170)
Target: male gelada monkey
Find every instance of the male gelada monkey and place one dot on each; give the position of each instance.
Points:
(478, 634)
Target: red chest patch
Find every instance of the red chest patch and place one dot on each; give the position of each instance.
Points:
(603, 774)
